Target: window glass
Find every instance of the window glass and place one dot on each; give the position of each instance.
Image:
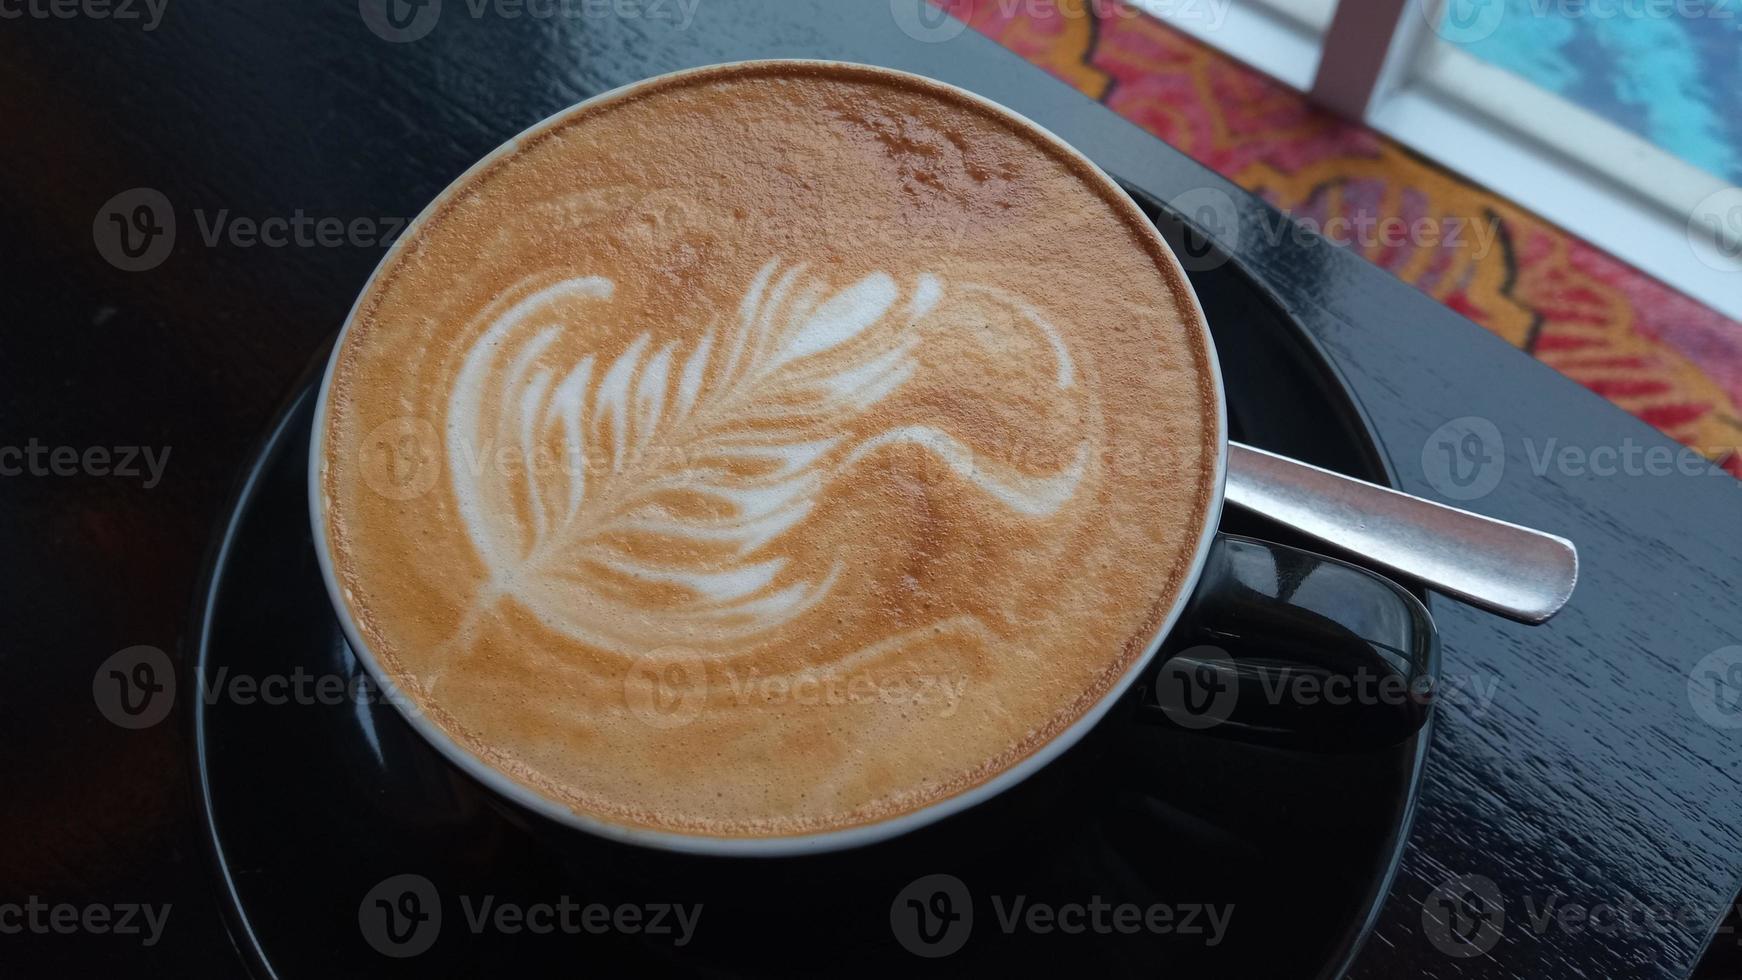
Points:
(1669, 71)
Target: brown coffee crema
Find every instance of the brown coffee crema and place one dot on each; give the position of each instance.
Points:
(769, 450)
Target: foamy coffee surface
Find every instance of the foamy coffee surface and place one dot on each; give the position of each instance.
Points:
(768, 450)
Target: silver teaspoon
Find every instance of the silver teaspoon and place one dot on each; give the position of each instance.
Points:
(1517, 572)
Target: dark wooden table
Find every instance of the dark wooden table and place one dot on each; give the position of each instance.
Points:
(1589, 782)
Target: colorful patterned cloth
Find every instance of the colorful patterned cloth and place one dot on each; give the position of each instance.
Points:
(1666, 358)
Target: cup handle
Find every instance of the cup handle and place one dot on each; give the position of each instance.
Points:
(1284, 647)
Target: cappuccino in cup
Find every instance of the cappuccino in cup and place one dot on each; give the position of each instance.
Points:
(766, 451)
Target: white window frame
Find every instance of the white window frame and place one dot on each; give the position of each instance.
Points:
(1378, 61)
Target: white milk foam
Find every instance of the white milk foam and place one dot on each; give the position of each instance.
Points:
(756, 428)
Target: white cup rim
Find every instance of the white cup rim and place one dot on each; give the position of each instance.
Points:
(778, 846)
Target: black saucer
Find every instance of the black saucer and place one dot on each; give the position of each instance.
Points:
(309, 806)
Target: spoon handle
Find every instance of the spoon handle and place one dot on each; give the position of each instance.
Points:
(1517, 572)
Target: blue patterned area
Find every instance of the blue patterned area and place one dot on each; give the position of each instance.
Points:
(1669, 70)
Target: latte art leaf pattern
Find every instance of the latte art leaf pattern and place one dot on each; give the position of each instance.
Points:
(679, 465)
